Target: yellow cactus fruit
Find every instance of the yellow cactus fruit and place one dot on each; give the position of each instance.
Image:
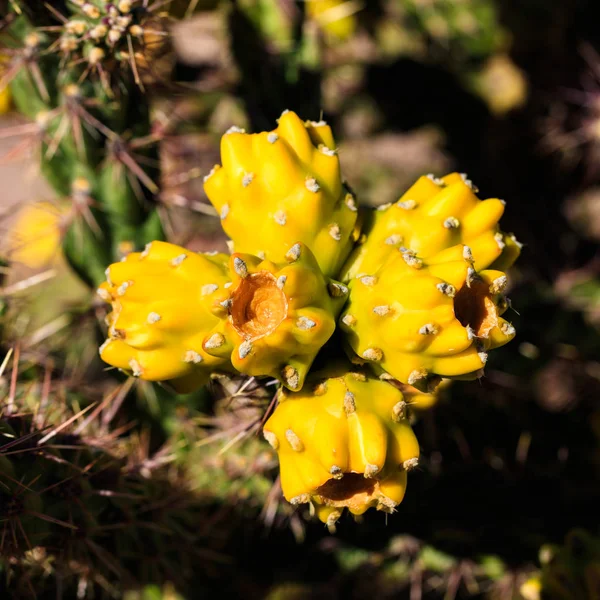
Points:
(5, 95)
(280, 315)
(336, 17)
(416, 319)
(343, 442)
(281, 187)
(502, 85)
(433, 215)
(164, 301)
(35, 237)
(5, 101)
(531, 589)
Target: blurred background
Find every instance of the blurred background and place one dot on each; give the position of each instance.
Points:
(179, 494)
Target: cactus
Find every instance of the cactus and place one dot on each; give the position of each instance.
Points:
(464, 31)
(432, 216)
(281, 187)
(343, 442)
(165, 302)
(92, 120)
(279, 316)
(417, 319)
(81, 505)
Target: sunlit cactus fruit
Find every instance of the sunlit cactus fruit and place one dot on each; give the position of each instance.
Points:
(343, 442)
(501, 84)
(420, 319)
(432, 216)
(36, 234)
(337, 18)
(165, 301)
(279, 315)
(284, 186)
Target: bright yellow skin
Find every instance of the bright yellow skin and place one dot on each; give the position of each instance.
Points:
(5, 96)
(430, 217)
(336, 17)
(5, 101)
(423, 401)
(280, 315)
(348, 432)
(163, 307)
(406, 318)
(531, 589)
(35, 236)
(281, 187)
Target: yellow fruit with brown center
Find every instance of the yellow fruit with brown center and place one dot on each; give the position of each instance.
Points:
(420, 319)
(279, 316)
(343, 442)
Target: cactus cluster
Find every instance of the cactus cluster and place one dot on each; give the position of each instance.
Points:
(418, 302)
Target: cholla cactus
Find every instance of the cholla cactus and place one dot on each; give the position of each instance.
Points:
(281, 187)
(419, 318)
(92, 121)
(343, 442)
(166, 301)
(80, 504)
(468, 29)
(107, 35)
